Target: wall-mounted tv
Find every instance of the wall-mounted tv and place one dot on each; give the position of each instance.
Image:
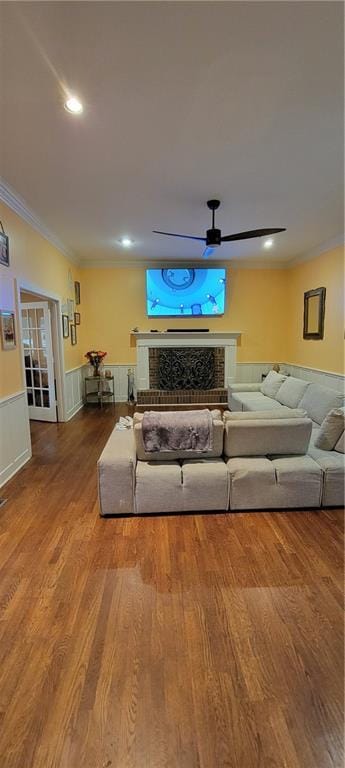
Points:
(185, 292)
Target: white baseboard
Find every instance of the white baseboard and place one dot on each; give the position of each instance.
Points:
(15, 432)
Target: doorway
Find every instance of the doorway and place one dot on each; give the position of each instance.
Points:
(42, 356)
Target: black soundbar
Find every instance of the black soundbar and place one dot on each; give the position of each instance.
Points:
(188, 330)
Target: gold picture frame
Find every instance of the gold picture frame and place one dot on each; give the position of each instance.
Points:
(8, 330)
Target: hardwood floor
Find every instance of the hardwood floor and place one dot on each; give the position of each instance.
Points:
(201, 641)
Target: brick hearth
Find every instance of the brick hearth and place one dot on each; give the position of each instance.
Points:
(180, 397)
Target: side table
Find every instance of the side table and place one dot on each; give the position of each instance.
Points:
(104, 392)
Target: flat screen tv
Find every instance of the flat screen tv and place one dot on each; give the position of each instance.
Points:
(185, 292)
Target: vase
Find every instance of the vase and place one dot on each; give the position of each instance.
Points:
(96, 370)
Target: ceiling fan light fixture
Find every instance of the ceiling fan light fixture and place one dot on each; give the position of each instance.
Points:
(214, 237)
(73, 105)
(126, 242)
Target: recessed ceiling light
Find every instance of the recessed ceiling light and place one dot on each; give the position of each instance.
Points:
(268, 243)
(73, 105)
(126, 242)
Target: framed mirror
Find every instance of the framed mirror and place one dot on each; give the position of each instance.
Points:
(314, 313)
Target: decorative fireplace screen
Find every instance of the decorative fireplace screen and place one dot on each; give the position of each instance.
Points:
(186, 368)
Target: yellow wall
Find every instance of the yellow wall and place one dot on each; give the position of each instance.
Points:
(327, 354)
(256, 306)
(33, 260)
(265, 305)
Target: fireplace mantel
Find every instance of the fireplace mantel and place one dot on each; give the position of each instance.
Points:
(166, 336)
(146, 339)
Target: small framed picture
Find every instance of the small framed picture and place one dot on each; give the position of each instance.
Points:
(8, 331)
(65, 326)
(77, 318)
(70, 305)
(77, 292)
(73, 334)
(4, 249)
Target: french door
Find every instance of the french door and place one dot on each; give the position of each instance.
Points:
(38, 361)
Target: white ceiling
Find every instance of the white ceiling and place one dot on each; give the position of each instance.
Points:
(182, 102)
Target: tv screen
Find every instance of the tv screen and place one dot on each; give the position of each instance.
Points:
(185, 292)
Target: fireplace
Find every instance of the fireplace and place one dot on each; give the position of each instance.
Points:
(183, 369)
(186, 368)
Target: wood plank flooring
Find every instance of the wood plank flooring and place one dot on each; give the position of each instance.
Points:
(201, 641)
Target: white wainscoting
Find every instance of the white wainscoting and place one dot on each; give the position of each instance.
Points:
(74, 389)
(325, 378)
(251, 372)
(245, 372)
(15, 446)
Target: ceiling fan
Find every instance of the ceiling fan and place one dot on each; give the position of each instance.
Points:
(214, 237)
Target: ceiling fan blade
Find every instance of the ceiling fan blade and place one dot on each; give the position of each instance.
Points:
(208, 252)
(251, 233)
(173, 234)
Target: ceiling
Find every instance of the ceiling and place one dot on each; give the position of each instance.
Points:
(183, 101)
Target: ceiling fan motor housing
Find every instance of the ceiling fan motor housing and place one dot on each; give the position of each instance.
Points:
(213, 237)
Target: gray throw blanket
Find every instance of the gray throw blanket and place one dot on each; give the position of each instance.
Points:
(177, 431)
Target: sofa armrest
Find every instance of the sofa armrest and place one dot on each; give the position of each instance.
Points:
(244, 388)
(116, 474)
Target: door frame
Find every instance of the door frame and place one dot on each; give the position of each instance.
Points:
(57, 340)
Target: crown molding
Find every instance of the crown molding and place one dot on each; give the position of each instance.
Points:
(19, 206)
(318, 250)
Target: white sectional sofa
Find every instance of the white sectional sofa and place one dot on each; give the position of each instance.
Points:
(130, 481)
(280, 393)
(260, 459)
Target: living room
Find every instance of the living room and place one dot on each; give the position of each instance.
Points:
(142, 601)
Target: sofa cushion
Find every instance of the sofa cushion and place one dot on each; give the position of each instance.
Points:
(215, 451)
(158, 487)
(275, 413)
(318, 401)
(205, 485)
(253, 401)
(291, 391)
(262, 483)
(331, 429)
(272, 383)
(325, 459)
(268, 404)
(259, 437)
(340, 445)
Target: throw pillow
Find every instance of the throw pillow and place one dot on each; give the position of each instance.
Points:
(340, 445)
(318, 401)
(292, 391)
(272, 383)
(331, 429)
